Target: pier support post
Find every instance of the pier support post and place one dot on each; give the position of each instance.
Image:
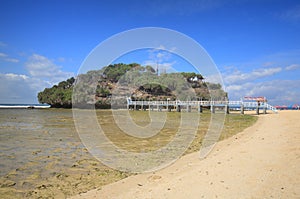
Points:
(188, 108)
(265, 110)
(200, 109)
(227, 109)
(178, 108)
(242, 109)
(212, 108)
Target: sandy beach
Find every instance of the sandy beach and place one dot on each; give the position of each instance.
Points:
(260, 162)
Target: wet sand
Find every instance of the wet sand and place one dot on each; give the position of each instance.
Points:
(263, 161)
(42, 156)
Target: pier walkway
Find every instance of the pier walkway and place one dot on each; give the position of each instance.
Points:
(188, 106)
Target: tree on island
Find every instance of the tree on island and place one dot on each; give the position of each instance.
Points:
(97, 86)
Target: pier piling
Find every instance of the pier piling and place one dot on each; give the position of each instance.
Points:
(227, 109)
(242, 109)
(178, 108)
(189, 108)
(212, 109)
(200, 108)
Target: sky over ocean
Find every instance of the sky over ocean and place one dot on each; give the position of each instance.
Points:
(255, 44)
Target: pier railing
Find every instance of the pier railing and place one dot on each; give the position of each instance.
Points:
(168, 104)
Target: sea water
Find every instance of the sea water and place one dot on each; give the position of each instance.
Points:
(42, 156)
(33, 139)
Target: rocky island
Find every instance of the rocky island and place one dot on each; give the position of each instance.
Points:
(96, 87)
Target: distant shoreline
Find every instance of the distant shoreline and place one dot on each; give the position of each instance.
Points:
(24, 106)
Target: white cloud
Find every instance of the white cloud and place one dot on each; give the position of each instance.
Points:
(240, 77)
(13, 60)
(267, 64)
(215, 78)
(234, 88)
(39, 66)
(265, 72)
(163, 48)
(5, 57)
(162, 66)
(276, 91)
(292, 67)
(21, 88)
(61, 59)
(2, 44)
(162, 58)
(13, 76)
(18, 88)
(240, 84)
(277, 78)
(159, 54)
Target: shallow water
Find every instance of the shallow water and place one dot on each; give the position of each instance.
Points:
(36, 144)
(28, 135)
(42, 156)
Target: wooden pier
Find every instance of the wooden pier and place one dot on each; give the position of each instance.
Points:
(189, 106)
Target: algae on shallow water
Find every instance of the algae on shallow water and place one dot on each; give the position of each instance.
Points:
(41, 155)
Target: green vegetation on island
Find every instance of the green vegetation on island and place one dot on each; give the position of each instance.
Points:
(97, 87)
(59, 95)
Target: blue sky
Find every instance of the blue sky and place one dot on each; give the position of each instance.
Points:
(255, 44)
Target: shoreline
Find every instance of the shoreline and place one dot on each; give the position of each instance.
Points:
(246, 165)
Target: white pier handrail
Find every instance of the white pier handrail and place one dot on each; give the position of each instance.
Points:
(251, 105)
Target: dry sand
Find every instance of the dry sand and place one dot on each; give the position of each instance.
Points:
(261, 162)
